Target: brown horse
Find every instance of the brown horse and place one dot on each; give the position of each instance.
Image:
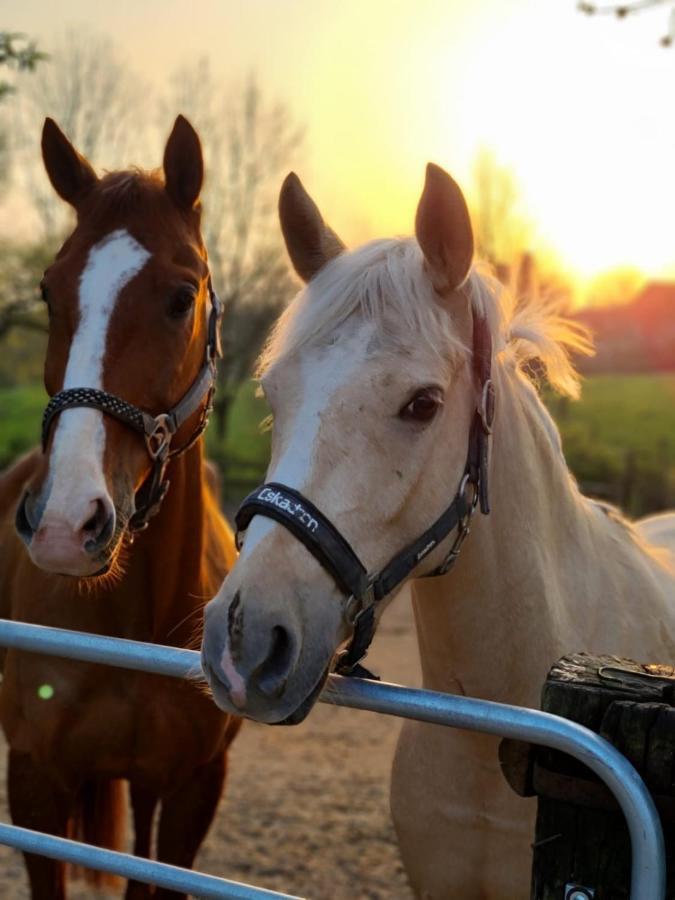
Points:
(132, 318)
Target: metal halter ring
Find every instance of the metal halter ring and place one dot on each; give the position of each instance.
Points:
(486, 406)
(159, 439)
(356, 606)
(463, 528)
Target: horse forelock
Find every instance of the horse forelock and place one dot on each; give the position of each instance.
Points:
(132, 197)
(386, 281)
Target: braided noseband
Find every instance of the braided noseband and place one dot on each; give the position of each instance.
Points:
(101, 400)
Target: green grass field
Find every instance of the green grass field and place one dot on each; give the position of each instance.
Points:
(20, 415)
(624, 412)
(619, 439)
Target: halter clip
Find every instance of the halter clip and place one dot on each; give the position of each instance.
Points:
(159, 439)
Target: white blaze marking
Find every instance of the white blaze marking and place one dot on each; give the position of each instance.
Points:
(76, 462)
(321, 373)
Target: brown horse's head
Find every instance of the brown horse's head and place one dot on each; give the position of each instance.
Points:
(128, 304)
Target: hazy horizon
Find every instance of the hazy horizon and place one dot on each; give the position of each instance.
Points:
(576, 107)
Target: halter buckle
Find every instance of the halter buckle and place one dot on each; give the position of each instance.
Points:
(356, 606)
(214, 349)
(359, 612)
(463, 528)
(158, 440)
(486, 406)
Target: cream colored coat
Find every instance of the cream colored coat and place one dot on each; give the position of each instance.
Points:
(547, 573)
(375, 332)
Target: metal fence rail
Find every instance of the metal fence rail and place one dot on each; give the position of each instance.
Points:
(648, 877)
(134, 867)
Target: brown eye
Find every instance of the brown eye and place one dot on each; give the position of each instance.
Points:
(181, 303)
(423, 406)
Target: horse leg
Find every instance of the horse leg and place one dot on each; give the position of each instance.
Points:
(143, 803)
(186, 816)
(37, 802)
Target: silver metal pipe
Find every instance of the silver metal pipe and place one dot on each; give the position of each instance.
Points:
(648, 857)
(134, 867)
(648, 872)
(98, 648)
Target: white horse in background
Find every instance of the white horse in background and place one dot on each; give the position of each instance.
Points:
(368, 374)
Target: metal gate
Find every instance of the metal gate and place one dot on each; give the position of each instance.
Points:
(648, 861)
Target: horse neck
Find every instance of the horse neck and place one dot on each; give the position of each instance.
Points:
(496, 617)
(171, 554)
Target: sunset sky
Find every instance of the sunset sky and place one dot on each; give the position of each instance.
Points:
(580, 109)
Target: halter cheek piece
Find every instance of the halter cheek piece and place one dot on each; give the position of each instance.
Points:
(158, 431)
(364, 591)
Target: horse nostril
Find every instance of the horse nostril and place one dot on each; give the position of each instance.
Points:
(274, 671)
(99, 528)
(24, 526)
(93, 524)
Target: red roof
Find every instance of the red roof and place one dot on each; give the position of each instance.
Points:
(637, 336)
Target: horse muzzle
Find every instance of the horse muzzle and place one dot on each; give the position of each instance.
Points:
(79, 544)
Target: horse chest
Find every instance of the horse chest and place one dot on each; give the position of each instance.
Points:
(101, 721)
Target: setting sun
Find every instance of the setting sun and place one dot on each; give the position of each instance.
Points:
(578, 109)
(548, 92)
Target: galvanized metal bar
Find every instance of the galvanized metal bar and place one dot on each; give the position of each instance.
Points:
(134, 867)
(648, 859)
(98, 648)
(648, 873)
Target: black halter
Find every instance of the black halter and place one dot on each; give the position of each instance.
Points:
(363, 590)
(158, 431)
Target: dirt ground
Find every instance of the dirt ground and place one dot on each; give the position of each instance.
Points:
(306, 809)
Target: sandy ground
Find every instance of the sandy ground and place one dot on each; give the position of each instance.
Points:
(306, 809)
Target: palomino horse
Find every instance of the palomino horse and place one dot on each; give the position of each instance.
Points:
(382, 377)
(130, 367)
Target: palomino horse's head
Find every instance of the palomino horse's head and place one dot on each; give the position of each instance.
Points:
(128, 300)
(370, 381)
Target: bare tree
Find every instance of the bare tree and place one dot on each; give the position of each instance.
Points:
(249, 145)
(623, 10)
(96, 99)
(507, 239)
(19, 306)
(17, 54)
(20, 272)
(503, 232)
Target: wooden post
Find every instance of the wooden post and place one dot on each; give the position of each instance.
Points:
(581, 838)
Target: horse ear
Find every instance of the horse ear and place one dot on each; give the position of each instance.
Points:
(183, 164)
(71, 175)
(310, 242)
(443, 229)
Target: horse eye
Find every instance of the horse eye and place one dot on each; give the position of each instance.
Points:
(181, 303)
(423, 406)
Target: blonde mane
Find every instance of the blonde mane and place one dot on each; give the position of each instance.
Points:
(385, 281)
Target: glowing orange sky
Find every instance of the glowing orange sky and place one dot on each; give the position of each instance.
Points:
(581, 109)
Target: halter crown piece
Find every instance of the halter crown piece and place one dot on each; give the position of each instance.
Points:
(364, 590)
(158, 431)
